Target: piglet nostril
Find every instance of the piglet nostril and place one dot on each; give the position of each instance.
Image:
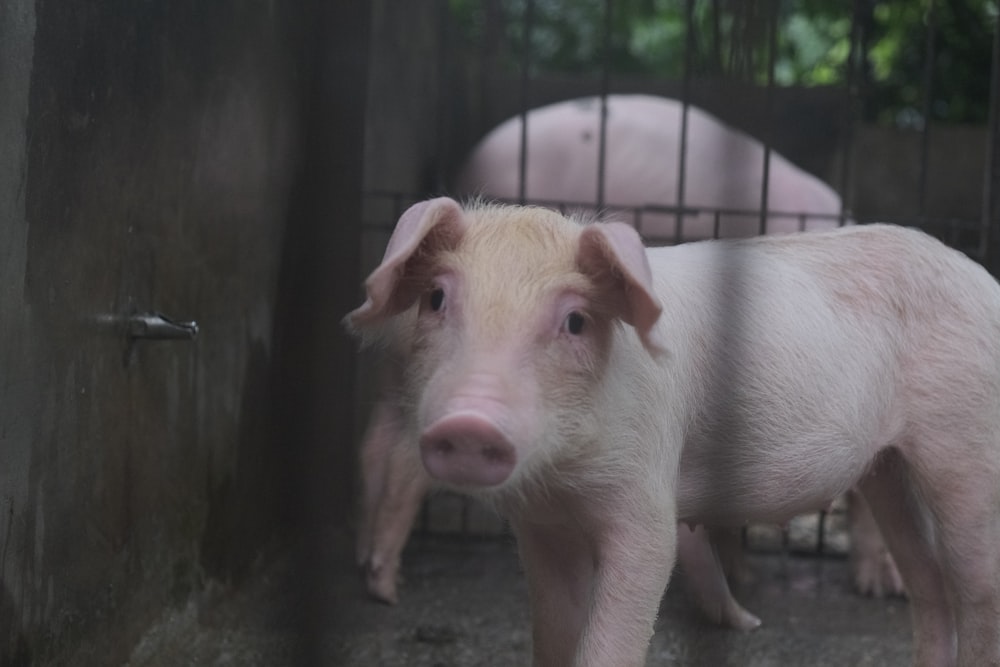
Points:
(443, 447)
(495, 454)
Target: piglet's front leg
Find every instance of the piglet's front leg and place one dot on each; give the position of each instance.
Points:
(595, 596)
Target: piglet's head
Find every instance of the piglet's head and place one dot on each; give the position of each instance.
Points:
(506, 316)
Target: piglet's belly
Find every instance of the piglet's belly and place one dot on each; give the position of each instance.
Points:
(772, 486)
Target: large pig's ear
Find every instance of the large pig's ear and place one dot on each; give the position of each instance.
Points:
(423, 230)
(613, 255)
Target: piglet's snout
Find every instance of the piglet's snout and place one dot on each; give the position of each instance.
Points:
(466, 448)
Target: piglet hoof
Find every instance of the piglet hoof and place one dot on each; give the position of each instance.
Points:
(739, 618)
(728, 613)
(381, 583)
(875, 575)
(362, 555)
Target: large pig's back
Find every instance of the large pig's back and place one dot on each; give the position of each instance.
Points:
(562, 156)
(723, 167)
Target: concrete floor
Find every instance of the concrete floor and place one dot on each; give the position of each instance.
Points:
(465, 605)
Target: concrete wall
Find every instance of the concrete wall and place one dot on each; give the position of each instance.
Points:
(203, 160)
(404, 125)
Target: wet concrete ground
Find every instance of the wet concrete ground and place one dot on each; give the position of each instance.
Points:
(465, 605)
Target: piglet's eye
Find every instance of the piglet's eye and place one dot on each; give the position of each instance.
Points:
(574, 323)
(437, 299)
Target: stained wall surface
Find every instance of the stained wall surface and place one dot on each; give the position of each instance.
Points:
(199, 160)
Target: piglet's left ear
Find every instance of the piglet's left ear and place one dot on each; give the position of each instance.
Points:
(613, 255)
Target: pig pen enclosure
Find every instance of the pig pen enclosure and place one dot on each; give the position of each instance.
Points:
(194, 500)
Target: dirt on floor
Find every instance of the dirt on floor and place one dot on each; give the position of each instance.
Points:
(464, 604)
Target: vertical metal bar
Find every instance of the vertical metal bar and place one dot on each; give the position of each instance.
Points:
(425, 517)
(991, 170)
(605, 85)
(772, 56)
(331, 54)
(522, 165)
(821, 533)
(685, 103)
(444, 110)
(493, 24)
(397, 205)
(716, 40)
(847, 132)
(929, 55)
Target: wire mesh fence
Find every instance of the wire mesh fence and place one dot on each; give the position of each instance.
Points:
(833, 114)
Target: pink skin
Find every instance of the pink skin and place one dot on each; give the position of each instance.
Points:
(630, 421)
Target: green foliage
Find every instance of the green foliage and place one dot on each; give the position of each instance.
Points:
(732, 39)
(813, 50)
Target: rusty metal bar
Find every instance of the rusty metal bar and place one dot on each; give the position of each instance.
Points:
(991, 170)
(602, 145)
(685, 104)
(772, 57)
(522, 165)
(847, 132)
(928, 93)
(442, 126)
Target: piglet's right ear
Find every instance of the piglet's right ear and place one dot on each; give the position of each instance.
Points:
(613, 255)
(424, 229)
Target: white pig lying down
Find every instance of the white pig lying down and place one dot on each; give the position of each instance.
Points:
(724, 169)
(596, 392)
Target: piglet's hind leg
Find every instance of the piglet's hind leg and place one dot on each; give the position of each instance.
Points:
(899, 513)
